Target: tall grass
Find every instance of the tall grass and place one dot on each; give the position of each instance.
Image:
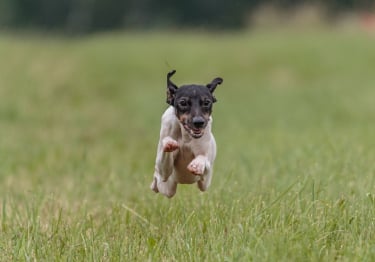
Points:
(294, 123)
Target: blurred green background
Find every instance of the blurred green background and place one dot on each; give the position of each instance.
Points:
(82, 90)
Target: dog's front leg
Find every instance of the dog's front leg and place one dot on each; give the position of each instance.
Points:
(167, 144)
(166, 151)
(163, 182)
(165, 157)
(201, 166)
(164, 161)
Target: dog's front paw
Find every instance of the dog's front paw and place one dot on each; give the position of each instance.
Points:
(197, 167)
(169, 144)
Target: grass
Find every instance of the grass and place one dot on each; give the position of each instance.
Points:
(294, 124)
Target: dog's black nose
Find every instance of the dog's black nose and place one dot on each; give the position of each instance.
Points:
(198, 122)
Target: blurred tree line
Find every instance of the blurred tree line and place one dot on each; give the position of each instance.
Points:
(82, 16)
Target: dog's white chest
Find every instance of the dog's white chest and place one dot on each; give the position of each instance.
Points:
(183, 157)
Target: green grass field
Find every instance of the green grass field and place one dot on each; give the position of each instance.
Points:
(295, 173)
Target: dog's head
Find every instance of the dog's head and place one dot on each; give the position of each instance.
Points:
(192, 103)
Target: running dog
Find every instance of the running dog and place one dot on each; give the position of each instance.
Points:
(187, 148)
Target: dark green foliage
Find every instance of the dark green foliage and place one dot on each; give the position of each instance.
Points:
(93, 15)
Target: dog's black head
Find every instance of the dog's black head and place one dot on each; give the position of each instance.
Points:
(193, 104)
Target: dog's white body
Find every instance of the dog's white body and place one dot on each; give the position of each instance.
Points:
(182, 159)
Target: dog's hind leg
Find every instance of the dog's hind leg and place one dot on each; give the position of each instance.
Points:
(205, 182)
(167, 188)
(154, 185)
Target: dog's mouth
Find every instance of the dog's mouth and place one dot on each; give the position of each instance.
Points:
(193, 132)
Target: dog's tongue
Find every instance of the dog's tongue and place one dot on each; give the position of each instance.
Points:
(196, 131)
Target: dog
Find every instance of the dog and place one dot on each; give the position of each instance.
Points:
(187, 149)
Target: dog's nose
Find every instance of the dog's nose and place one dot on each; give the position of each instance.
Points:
(198, 122)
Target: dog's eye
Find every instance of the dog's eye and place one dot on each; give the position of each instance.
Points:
(206, 103)
(183, 103)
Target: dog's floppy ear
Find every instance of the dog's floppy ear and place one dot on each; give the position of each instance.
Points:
(171, 88)
(212, 86)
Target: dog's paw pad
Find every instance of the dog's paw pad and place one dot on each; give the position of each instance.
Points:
(169, 145)
(196, 168)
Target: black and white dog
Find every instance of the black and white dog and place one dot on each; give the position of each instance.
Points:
(187, 148)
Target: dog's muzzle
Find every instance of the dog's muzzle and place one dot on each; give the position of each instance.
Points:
(196, 127)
